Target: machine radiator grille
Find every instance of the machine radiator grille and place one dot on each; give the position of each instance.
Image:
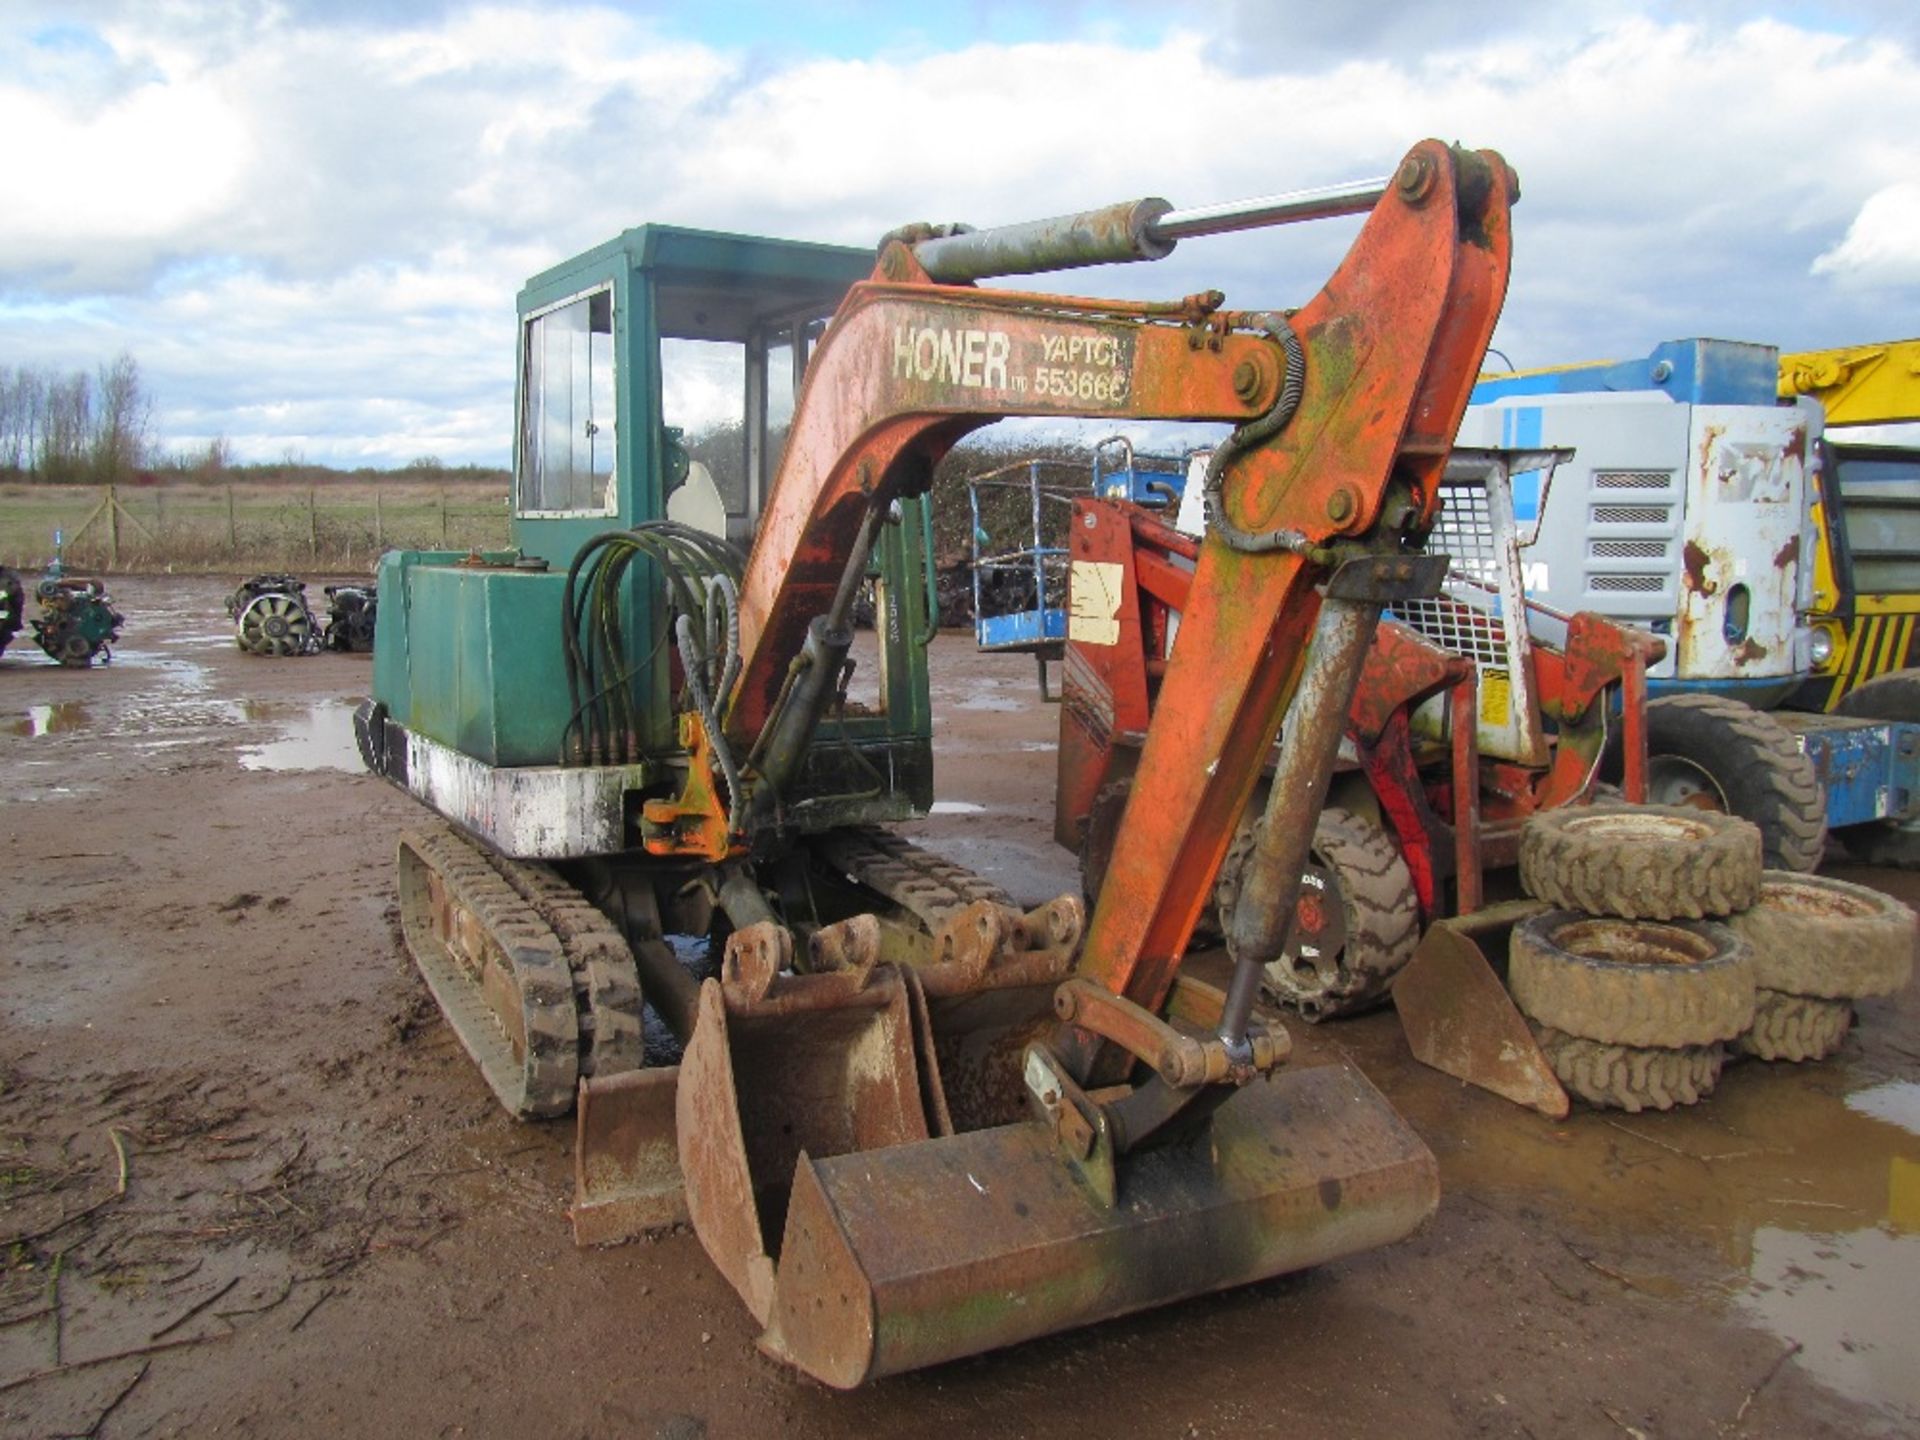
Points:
(1632, 479)
(1456, 628)
(1632, 514)
(1627, 584)
(1628, 550)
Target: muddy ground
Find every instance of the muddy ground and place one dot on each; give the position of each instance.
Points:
(238, 1148)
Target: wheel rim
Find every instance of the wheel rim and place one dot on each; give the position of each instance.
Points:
(1641, 825)
(1672, 780)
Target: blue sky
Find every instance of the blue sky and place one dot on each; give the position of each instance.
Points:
(307, 220)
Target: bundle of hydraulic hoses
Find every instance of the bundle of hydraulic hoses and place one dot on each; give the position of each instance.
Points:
(699, 575)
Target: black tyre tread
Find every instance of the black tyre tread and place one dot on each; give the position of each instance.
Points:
(1795, 1027)
(1816, 936)
(1778, 787)
(1595, 858)
(1892, 696)
(1655, 1004)
(1625, 1077)
(1382, 920)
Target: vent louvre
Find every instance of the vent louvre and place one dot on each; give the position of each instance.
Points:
(1632, 514)
(1628, 550)
(1633, 479)
(1627, 584)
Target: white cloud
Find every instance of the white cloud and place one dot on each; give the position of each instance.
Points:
(310, 231)
(1882, 246)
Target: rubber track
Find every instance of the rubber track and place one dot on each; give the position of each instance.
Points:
(1812, 935)
(930, 888)
(1642, 1005)
(1796, 1027)
(1625, 1077)
(1648, 877)
(606, 983)
(1791, 806)
(541, 1083)
(1382, 921)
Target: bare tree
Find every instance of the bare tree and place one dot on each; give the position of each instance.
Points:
(121, 421)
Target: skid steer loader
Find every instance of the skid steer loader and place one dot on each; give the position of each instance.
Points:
(912, 1122)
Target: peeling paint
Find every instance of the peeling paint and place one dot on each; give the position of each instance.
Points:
(1696, 559)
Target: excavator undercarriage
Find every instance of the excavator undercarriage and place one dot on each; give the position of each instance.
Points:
(911, 1120)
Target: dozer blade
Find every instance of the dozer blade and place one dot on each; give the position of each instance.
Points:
(900, 1248)
(626, 1156)
(1459, 1019)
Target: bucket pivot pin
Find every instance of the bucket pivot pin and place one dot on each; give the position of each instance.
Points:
(1192, 1076)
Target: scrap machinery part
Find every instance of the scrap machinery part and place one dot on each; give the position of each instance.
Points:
(271, 617)
(13, 602)
(77, 622)
(352, 612)
(911, 1122)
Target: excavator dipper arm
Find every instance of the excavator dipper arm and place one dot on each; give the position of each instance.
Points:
(851, 1139)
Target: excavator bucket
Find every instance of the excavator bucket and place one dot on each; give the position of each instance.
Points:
(1458, 1017)
(626, 1156)
(867, 1242)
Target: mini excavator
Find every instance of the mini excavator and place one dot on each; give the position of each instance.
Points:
(908, 1120)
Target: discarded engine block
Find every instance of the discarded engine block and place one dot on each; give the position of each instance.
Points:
(271, 617)
(76, 622)
(351, 612)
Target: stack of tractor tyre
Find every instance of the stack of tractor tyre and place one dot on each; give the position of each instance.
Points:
(1670, 943)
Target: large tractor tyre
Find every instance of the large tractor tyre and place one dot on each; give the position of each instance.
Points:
(1641, 862)
(1632, 982)
(1795, 1027)
(1893, 696)
(1355, 924)
(1825, 938)
(1626, 1077)
(1713, 753)
(13, 605)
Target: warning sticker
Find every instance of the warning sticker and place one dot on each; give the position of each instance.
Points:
(1496, 697)
(1094, 616)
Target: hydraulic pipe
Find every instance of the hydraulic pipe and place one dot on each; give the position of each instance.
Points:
(1270, 883)
(1144, 229)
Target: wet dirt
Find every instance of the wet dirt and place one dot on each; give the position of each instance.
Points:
(239, 1150)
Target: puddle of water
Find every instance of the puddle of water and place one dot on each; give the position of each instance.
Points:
(1039, 747)
(55, 719)
(1897, 1102)
(957, 807)
(1846, 1299)
(318, 737)
(1811, 1192)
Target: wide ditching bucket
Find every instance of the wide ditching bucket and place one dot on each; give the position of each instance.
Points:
(857, 1164)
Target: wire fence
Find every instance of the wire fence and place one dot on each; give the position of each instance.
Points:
(343, 526)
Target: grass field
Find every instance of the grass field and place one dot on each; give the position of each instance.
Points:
(341, 525)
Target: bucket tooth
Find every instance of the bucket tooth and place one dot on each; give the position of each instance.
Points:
(927, 1252)
(1459, 1018)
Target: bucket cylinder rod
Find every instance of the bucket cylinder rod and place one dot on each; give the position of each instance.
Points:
(1270, 883)
(1131, 230)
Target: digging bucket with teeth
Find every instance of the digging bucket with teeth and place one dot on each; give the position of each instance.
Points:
(882, 1199)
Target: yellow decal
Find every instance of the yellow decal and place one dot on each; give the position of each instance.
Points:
(1496, 697)
(1095, 590)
